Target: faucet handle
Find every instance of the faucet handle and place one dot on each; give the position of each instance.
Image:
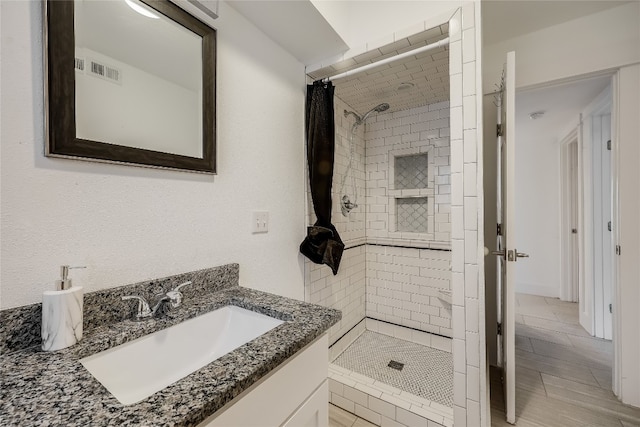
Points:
(182, 285)
(175, 296)
(143, 306)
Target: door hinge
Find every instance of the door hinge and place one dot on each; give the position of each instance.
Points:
(499, 130)
(609, 226)
(609, 145)
(499, 229)
(610, 309)
(499, 328)
(618, 250)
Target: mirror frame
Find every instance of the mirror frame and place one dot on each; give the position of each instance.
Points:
(60, 118)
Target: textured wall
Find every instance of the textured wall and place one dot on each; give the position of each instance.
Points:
(129, 224)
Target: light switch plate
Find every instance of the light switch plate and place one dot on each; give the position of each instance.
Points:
(260, 222)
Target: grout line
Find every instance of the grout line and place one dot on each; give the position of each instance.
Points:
(543, 384)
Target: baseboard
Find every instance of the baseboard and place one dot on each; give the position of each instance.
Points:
(540, 290)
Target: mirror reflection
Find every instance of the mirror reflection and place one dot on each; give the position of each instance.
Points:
(138, 78)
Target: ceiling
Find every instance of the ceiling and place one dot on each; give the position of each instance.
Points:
(297, 26)
(406, 83)
(562, 105)
(507, 19)
(160, 47)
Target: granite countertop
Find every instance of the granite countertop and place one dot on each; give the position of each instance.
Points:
(54, 389)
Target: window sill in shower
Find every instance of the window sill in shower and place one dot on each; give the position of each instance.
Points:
(411, 192)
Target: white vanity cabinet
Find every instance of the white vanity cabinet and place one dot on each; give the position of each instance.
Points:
(293, 395)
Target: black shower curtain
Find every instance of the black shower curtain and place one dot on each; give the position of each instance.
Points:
(322, 244)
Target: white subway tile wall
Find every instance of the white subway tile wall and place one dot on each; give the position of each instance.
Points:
(414, 132)
(382, 404)
(457, 193)
(467, 236)
(402, 287)
(344, 291)
(352, 227)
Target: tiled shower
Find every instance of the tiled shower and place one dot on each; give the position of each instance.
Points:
(394, 283)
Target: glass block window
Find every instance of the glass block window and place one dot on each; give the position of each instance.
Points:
(411, 215)
(410, 172)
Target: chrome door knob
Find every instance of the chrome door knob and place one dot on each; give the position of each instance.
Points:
(513, 255)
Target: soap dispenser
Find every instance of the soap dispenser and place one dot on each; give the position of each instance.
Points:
(62, 313)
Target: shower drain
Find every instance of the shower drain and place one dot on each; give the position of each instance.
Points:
(396, 365)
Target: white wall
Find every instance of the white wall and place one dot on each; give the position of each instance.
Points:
(589, 44)
(128, 224)
(144, 110)
(628, 298)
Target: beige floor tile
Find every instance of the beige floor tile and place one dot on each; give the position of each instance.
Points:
(529, 379)
(558, 302)
(596, 392)
(523, 343)
(604, 377)
(552, 366)
(543, 334)
(592, 343)
(566, 308)
(543, 312)
(566, 380)
(529, 300)
(608, 408)
(571, 354)
(338, 417)
(555, 325)
(568, 318)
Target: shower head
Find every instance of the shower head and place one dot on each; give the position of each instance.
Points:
(381, 107)
(378, 109)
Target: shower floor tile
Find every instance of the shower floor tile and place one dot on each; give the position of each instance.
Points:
(427, 372)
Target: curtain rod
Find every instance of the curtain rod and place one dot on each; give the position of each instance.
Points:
(366, 67)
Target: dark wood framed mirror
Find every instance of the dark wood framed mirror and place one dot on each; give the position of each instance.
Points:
(130, 81)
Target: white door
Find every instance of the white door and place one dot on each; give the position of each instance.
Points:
(607, 235)
(574, 260)
(506, 246)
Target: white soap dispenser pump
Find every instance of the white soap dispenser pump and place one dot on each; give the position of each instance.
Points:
(62, 313)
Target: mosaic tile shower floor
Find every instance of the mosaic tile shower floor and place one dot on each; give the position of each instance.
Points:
(427, 372)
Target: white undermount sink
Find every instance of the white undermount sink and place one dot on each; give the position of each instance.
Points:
(135, 370)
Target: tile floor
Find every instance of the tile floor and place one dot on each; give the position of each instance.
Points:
(338, 417)
(426, 372)
(563, 375)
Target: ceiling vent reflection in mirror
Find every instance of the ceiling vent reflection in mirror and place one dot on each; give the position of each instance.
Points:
(98, 69)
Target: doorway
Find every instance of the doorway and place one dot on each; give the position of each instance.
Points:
(563, 193)
(570, 264)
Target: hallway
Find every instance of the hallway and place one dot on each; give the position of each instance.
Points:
(563, 375)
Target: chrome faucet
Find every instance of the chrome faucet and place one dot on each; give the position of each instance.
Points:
(173, 298)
